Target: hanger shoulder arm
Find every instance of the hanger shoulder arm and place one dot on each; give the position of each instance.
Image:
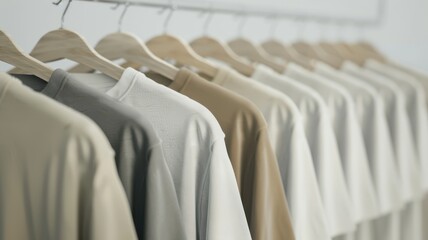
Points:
(11, 54)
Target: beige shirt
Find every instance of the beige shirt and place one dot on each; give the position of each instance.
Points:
(58, 171)
(253, 160)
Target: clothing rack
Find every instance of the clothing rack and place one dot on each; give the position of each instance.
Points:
(252, 10)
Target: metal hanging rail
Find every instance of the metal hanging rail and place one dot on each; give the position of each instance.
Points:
(261, 11)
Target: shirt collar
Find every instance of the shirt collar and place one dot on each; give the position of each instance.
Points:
(56, 82)
(125, 83)
(182, 78)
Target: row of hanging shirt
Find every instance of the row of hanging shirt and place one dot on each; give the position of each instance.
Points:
(322, 141)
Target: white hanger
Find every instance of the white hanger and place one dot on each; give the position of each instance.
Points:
(129, 47)
(65, 44)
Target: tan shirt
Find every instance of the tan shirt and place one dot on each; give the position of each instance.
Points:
(253, 159)
(58, 178)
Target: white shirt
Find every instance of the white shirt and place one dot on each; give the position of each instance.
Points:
(416, 109)
(330, 175)
(407, 222)
(399, 126)
(58, 176)
(195, 151)
(310, 221)
(372, 119)
(421, 77)
(349, 137)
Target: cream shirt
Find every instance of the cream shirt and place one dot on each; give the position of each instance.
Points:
(58, 171)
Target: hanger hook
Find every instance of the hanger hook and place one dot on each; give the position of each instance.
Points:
(300, 29)
(273, 25)
(116, 6)
(122, 15)
(339, 31)
(210, 15)
(64, 12)
(330, 30)
(360, 31)
(323, 30)
(242, 23)
(172, 7)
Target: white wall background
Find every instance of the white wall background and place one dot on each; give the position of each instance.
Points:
(403, 35)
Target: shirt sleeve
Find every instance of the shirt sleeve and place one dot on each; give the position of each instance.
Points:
(334, 192)
(381, 156)
(162, 207)
(301, 189)
(416, 109)
(405, 150)
(266, 199)
(331, 180)
(357, 171)
(419, 121)
(225, 213)
(104, 211)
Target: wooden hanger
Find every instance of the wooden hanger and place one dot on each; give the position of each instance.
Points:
(170, 47)
(127, 46)
(210, 47)
(65, 44)
(305, 49)
(367, 51)
(315, 52)
(330, 49)
(345, 50)
(247, 49)
(11, 54)
(278, 49)
(167, 46)
(368, 46)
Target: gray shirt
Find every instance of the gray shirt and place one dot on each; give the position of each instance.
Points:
(139, 155)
